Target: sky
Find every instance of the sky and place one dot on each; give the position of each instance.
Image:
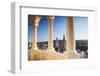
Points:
(59, 25)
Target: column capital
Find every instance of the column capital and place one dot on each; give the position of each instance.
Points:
(37, 20)
(36, 24)
(50, 19)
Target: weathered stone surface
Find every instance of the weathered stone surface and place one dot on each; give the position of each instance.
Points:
(50, 55)
(44, 55)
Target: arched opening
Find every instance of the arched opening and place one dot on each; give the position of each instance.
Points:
(59, 29)
(42, 34)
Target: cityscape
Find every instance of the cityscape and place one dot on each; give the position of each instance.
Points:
(60, 46)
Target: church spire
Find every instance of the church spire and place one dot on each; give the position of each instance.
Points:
(64, 41)
(63, 36)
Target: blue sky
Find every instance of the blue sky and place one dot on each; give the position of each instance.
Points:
(80, 28)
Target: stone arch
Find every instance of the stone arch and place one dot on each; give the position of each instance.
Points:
(35, 22)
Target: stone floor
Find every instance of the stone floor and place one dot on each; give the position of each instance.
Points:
(49, 55)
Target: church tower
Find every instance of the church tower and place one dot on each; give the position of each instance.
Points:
(57, 45)
(57, 42)
(64, 42)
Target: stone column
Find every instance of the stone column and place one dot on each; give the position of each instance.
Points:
(50, 33)
(35, 23)
(35, 47)
(34, 36)
(70, 34)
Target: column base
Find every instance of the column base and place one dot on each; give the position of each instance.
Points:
(71, 55)
(50, 49)
(35, 48)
